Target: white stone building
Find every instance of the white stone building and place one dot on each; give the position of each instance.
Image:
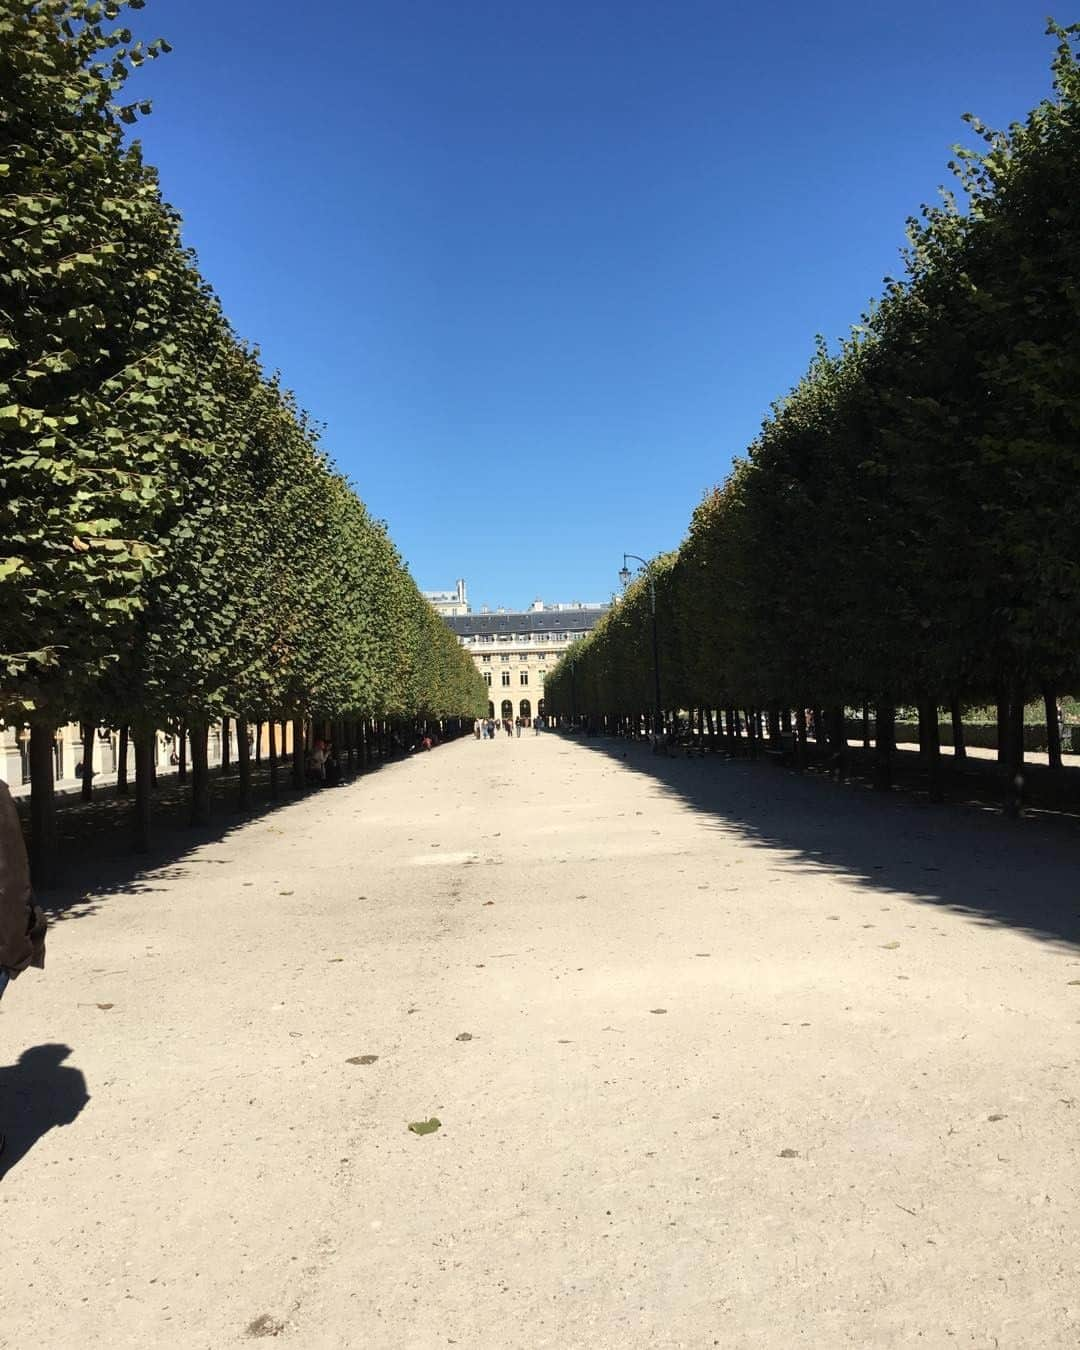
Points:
(514, 651)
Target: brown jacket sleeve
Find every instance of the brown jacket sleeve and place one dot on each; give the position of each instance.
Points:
(22, 931)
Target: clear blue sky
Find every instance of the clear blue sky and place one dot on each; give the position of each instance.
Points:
(542, 265)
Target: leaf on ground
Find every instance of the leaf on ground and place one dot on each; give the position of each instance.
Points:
(1074, 981)
(362, 1059)
(658, 1010)
(997, 1116)
(889, 946)
(788, 1153)
(425, 1126)
(332, 959)
(463, 1036)
(286, 892)
(832, 916)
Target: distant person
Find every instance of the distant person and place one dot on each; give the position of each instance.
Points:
(517, 727)
(476, 729)
(331, 767)
(316, 763)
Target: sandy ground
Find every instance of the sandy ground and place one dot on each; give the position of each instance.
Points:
(755, 1061)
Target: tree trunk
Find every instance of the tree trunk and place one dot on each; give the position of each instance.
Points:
(298, 753)
(866, 726)
(1003, 730)
(181, 767)
(89, 735)
(1053, 732)
(785, 721)
(271, 750)
(243, 763)
(226, 749)
(144, 766)
(957, 715)
(200, 774)
(1014, 761)
(773, 719)
(884, 745)
(42, 803)
(258, 743)
(712, 727)
(122, 765)
(837, 732)
(799, 748)
(930, 740)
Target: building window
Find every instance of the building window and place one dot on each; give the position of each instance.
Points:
(543, 656)
(524, 656)
(485, 659)
(540, 677)
(525, 708)
(505, 656)
(487, 678)
(524, 677)
(506, 677)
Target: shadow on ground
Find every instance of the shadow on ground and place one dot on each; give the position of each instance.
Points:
(94, 854)
(1024, 874)
(37, 1094)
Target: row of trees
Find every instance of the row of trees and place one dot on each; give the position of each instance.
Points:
(906, 527)
(175, 546)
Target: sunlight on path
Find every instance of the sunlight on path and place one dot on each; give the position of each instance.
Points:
(718, 1056)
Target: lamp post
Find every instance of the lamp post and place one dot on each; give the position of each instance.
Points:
(624, 577)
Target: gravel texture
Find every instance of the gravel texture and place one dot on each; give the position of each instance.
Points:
(536, 1043)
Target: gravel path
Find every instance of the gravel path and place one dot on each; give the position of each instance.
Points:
(755, 1061)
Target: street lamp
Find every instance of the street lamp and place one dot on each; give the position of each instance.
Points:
(624, 577)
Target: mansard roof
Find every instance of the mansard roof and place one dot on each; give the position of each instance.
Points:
(535, 621)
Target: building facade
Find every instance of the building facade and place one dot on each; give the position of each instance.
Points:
(514, 651)
(450, 604)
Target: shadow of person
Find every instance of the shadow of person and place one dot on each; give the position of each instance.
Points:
(35, 1094)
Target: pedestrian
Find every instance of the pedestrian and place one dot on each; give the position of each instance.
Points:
(22, 924)
(476, 729)
(316, 763)
(331, 767)
(507, 727)
(517, 727)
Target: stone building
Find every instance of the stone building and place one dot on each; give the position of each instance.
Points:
(514, 651)
(449, 603)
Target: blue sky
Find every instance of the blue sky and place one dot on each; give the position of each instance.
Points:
(541, 266)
